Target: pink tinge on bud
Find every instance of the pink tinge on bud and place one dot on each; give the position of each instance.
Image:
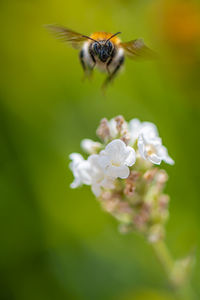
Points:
(113, 203)
(125, 137)
(110, 205)
(150, 174)
(119, 123)
(124, 207)
(163, 202)
(103, 130)
(143, 216)
(106, 195)
(162, 177)
(130, 184)
(109, 201)
(156, 233)
(122, 129)
(129, 190)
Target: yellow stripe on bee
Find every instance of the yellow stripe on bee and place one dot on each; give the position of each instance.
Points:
(104, 36)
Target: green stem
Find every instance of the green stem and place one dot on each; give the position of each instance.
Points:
(184, 291)
(164, 257)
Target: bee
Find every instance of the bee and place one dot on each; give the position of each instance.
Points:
(102, 50)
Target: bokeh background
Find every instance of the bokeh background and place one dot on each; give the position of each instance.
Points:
(56, 243)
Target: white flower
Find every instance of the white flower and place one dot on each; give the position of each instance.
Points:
(89, 172)
(90, 146)
(81, 170)
(136, 127)
(98, 177)
(151, 149)
(116, 158)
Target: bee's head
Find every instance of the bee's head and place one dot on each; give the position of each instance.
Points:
(103, 49)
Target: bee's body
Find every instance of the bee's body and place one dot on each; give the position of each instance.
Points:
(102, 50)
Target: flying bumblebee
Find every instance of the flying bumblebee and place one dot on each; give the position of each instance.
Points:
(102, 50)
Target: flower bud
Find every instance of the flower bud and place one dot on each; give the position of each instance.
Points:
(103, 131)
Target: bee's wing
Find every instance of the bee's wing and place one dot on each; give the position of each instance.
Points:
(137, 49)
(75, 39)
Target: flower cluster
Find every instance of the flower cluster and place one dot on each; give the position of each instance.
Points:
(122, 174)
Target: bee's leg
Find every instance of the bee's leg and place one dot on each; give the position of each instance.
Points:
(87, 65)
(81, 56)
(110, 61)
(107, 66)
(112, 56)
(114, 73)
(92, 62)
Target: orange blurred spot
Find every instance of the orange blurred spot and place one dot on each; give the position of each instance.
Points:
(182, 22)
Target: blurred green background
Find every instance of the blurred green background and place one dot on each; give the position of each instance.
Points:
(56, 243)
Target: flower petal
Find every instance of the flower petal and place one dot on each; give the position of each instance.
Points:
(96, 189)
(76, 183)
(131, 157)
(154, 159)
(104, 160)
(89, 146)
(84, 172)
(76, 158)
(165, 156)
(169, 160)
(115, 147)
(113, 128)
(141, 146)
(149, 129)
(121, 172)
(134, 130)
